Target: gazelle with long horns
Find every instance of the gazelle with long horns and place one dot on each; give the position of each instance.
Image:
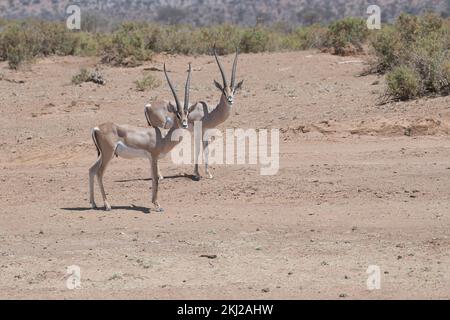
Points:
(161, 115)
(134, 142)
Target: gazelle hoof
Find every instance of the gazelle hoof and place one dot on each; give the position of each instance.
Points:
(196, 178)
(209, 175)
(107, 207)
(93, 205)
(159, 210)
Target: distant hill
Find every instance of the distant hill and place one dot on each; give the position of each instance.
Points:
(205, 12)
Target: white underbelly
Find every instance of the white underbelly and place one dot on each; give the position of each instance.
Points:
(124, 151)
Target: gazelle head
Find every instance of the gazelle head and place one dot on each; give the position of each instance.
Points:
(181, 112)
(228, 90)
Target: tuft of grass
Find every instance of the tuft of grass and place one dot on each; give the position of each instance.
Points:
(148, 82)
(115, 276)
(83, 75)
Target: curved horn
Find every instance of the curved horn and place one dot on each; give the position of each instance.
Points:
(224, 79)
(186, 89)
(233, 74)
(171, 88)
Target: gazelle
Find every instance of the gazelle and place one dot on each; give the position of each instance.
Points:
(161, 115)
(133, 142)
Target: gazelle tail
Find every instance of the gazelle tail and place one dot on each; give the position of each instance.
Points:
(94, 138)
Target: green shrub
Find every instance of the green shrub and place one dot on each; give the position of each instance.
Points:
(54, 39)
(304, 38)
(347, 36)
(16, 56)
(148, 82)
(174, 40)
(422, 45)
(226, 37)
(395, 45)
(428, 57)
(133, 43)
(86, 44)
(446, 78)
(386, 45)
(126, 46)
(255, 40)
(24, 40)
(17, 45)
(403, 83)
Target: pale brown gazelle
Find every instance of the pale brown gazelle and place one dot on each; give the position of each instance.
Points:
(134, 142)
(161, 114)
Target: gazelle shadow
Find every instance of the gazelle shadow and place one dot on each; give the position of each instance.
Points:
(128, 208)
(186, 176)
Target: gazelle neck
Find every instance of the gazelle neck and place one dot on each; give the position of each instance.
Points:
(220, 114)
(167, 140)
(223, 103)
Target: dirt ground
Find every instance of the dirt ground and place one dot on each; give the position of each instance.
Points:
(359, 184)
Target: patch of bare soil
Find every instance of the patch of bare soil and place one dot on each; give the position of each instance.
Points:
(359, 184)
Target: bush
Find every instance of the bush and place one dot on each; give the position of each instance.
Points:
(126, 46)
(148, 82)
(304, 38)
(133, 43)
(255, 40)
(446, 78)
(25, 40)
(420, 44)
(428, 57)
(86, 44)
(226, 37)
(54, 39)
(386, 47)
(17, 45)
(347, 36)
(403, 83)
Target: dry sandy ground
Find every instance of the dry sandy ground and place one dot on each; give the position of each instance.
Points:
(359, 184)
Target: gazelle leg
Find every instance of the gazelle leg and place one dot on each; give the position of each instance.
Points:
(160, 176)
(155, 184)
(197, 142)
(92, 173)
(106, 158)
(206, 155)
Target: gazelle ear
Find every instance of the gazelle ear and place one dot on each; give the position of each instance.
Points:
(171, 108)
(192, 107)
(218, 85)
(238, 86)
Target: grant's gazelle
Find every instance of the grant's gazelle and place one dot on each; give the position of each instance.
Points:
(134, 142)
(160, 114)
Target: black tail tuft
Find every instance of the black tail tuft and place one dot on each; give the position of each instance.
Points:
(146, 114)
(94, 138)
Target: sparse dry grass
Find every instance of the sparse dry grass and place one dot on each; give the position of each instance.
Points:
(148, 82)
